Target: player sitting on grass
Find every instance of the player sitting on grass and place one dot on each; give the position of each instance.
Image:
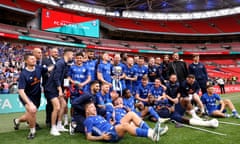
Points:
(185, 105)
(128, 102)
(97, 128)
(210, 100)
(123, 114)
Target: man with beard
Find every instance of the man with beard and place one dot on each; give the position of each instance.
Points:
(79, 74)
(104, 102)
(54, 92)
(121, 78)
(178, 67)
(78, 102)
(164, 66)
(91, 64)
(190, 89)
(51, 60)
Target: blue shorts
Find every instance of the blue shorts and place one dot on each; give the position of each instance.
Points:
(177, 117)
(114, 135)
(218, 107)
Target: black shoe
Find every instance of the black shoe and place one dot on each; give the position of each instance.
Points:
(16, 125)
(38, 127)
(31, 136)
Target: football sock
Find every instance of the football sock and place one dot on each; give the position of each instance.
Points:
(142, 132)
(144, 125)
(153, 113)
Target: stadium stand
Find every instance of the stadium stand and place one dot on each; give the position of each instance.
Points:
(217, 25)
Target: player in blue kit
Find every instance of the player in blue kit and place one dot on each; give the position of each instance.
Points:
(142, 70)
(158, 90)
(131, 75)
(121, 111)
(54, 92)
(97, 128)
(142, 91)
(129, 104)
(152, 70)
(91, 64)
(104, 70)
(118, 77)
(216, 106)
(79, 74)
(104, 101)
(30, 93)
(199, 71)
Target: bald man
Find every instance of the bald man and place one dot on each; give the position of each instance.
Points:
(117, 63)
(37, 52)
(48, 61)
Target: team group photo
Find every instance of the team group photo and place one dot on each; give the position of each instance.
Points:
(78, 71)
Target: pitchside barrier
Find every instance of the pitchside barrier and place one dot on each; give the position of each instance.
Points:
(10, 103)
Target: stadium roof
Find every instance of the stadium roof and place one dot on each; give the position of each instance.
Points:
(165, 6)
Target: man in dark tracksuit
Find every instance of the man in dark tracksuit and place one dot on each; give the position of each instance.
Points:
(199, 71)
(53, 91)
(178, 67)
(78, 102)
(190, 89)
(173, 90)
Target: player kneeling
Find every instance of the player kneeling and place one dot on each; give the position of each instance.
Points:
(97, 128)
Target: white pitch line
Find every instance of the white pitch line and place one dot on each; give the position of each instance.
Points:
(230, 123)
(201, 129)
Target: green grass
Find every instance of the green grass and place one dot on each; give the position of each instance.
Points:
(174, 135)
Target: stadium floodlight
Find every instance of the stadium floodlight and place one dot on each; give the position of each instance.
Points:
(197, 128)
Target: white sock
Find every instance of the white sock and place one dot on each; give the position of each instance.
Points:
(194, 115)
(150, 133)
(33, 130)
(59, 123)
(65, 118)
(17, 121)
(54, 126)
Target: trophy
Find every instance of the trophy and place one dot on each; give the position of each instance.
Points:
(117, 71)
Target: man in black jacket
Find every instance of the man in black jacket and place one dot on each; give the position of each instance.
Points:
(178, 67)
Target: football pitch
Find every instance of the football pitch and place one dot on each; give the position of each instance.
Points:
(175, 135)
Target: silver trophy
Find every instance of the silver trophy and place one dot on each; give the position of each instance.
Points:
(117, 71)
